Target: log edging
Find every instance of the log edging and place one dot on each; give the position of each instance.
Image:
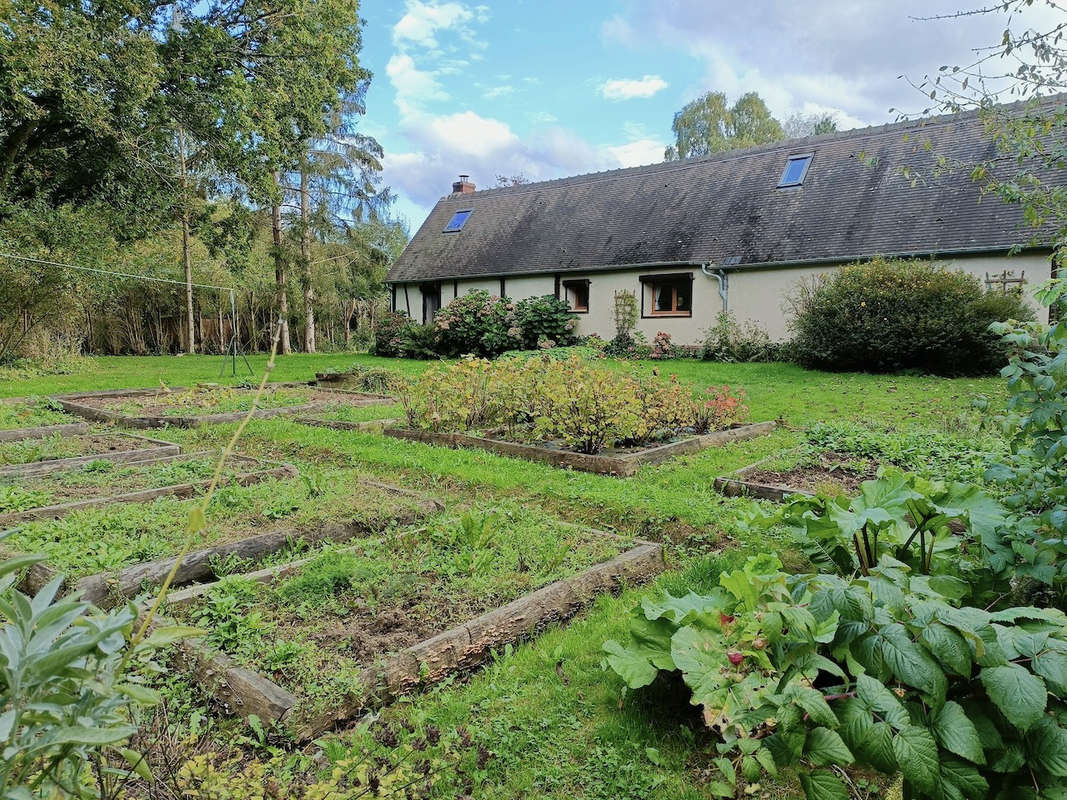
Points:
(157, 449)
(44, 431)
(180, 490)
(620, 466)
(149, 422)
(459, 649)
(733, 484)
(70, 403)
(376, 425)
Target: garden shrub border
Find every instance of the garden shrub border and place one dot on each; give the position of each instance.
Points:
(106, 589)
(70, 403)
(179, 490)
(622, 466)
(459, 649)
(155, 450)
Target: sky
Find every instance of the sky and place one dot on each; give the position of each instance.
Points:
(548, 88)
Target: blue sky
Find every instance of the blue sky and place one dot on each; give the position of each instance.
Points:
(546, 88)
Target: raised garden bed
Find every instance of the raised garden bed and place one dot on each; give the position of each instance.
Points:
(56, 453)
(800, 471)
(102, 483)
(312, 643)
(33, 418)
(206, 405)
(621, 463)
(115, 552)
(375, 380)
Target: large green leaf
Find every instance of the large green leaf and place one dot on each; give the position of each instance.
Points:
(1046, 747)
(956, 733)
(813, 702)
(910, 663)
(631, 665)
(701, 657)
(821, 784)
(965, 778)
(948, 647)
(824, 748)
(1020, 696)
(1052, 666)
(882, 701)
(916, 753)
(93, 737)
(683, 610)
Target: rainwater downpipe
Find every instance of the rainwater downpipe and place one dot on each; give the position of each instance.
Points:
(724, 283)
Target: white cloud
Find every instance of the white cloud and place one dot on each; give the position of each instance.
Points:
(468, 134)
(629, 88)
(639, 152)
(494, 92)
(414, 87)
(422, 22)
(846, 57)
(542, 118)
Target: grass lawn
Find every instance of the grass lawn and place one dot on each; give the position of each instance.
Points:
(552, 723)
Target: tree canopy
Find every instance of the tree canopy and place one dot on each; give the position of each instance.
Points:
(710, 125)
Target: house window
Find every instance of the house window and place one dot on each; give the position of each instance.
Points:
(795, 170)
(458, 219)
(577, 293)
(667, 295)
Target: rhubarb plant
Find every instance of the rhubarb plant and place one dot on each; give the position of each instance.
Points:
(819, 672)
(954, 532)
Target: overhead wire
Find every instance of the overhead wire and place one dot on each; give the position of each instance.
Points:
(115, 273)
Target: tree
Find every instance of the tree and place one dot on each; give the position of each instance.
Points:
(1029, 66)
(800, 125)
(518, 179)
(708, 125)
(337, 188)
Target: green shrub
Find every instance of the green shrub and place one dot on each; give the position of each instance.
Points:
(545, 322)
(629, 346)
(900, 315)
(558, 353)
(72, 683)
(479, 324)
(419, 341)
(816, 672)
(737, 342)
(388, 335)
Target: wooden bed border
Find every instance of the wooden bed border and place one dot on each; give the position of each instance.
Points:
(457, 650)
(107, 589)
(155, 449)
(180, 490)
(372, 425)
(43, 431)
(620, 466)
(70, 403)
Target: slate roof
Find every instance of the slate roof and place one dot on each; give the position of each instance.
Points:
(726, 209)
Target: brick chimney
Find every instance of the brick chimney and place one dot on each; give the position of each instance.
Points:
(463, 185)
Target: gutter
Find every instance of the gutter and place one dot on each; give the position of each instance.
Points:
(724, 283)
(751, 265)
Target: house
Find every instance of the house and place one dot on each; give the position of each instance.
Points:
(733, 231)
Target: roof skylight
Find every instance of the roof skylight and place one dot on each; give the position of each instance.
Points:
(795, 170)
(458, 219)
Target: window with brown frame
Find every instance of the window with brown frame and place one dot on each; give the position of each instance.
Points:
(577, 294)
(668, 295)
